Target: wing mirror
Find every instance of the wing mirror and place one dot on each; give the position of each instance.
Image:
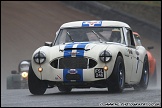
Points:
(48, 44)
(150, 47)
(13, 72)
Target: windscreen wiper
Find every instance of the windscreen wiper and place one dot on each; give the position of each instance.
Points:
(97, 36)
(70, 37)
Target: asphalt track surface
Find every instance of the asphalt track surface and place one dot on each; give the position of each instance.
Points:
(93, 97)
(25, 26)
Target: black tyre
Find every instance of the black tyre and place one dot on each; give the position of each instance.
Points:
(36, 86)
(145, 76)
(64, 88)
(9, 82)
(116, 80)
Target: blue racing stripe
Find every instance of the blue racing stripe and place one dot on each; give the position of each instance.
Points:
(91, 23)
(66, 71)
(80, 49)
(67, 52)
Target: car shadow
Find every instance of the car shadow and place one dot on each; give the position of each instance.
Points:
(90, 92)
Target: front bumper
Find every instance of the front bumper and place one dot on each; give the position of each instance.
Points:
(60, 75)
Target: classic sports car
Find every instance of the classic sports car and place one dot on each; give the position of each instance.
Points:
(151, 59)
(86, 54)
(19, 80)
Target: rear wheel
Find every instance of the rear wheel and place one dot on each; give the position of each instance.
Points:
(117, 79)
(36, 86)
(145, 76)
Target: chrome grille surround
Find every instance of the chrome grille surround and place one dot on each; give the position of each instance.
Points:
(73, 63)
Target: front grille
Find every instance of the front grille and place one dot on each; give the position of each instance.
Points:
(73, 63)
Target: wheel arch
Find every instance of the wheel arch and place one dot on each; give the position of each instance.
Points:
(120, 54)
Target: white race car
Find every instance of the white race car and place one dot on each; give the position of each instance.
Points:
(86, 54)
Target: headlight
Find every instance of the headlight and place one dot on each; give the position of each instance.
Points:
(39, 57)
(105, 56)
(24, 74)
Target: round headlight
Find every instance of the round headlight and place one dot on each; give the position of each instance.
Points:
(105, 56)
(24, 74)
(39, 57)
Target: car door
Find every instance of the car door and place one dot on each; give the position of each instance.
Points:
(133, 56)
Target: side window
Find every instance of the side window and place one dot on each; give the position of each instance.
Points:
(137, 40)
(130, 38)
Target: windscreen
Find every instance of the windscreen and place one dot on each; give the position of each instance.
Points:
(24, 67)
(86, 34)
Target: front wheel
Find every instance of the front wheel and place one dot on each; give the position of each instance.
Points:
(116, 80)
(36, 86)
(145, 76)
